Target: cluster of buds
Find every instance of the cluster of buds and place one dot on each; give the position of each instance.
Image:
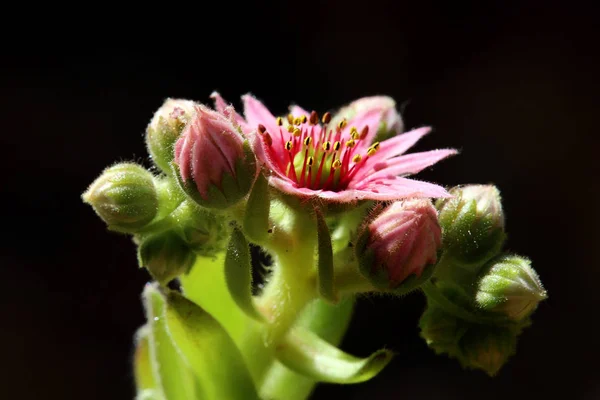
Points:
(328, 197)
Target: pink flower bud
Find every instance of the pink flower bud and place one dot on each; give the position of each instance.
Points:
(401, 241)
(214, 168)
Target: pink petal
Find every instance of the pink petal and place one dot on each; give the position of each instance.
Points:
(404, 165)
(370, 118)
(399, 144)
(226, 109)
(256, 113)
(298, 111)
(398, 187)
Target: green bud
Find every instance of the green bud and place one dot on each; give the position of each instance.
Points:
(164, 130)
(510, 286)
(165, 256)
(487, 347)
(124, 196)
(472, 224)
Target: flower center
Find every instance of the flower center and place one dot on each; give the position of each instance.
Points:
(315, 156)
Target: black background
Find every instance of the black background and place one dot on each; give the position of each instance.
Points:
(511, 84)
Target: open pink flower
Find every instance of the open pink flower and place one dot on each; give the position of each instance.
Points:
(309, 156)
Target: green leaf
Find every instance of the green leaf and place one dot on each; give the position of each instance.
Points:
(209, 351)
(330, 322)
(325, 260)
(171, 373)
(256, 219)
(238, 274)
(142, 368)
(309, 355)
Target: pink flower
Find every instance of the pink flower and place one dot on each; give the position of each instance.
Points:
(399, 242)
(213, 167)
(309, 156)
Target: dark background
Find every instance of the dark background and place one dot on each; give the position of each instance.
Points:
(510, 84)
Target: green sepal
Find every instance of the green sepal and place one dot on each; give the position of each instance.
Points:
(256, 218)
(208, 350)
(174, 378)
(487, 348)
(325, 275)
(238, 274)
(305, 353)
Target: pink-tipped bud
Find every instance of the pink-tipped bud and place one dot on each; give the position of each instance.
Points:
(164, 129)
(213, 163)
(391, 121)
(398, 249)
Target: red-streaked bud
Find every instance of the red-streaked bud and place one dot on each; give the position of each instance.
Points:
(213, 163)
(164, 130)
(398, 249)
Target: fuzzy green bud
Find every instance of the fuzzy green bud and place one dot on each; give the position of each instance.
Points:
(509, 285)
(165, 256)
(124, 197)
(204, 232)
(164, 130)
(472, 224)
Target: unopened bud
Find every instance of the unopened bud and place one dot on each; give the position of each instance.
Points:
(472, 224)
(165, 256)
(165, 128)
(213, 164)
(510, 286)
(124, 196)
(391, 121)
(487, 347)
(396, 247)
(206, 233)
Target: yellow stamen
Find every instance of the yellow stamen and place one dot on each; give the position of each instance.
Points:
(290, 119)
(309, 161)
(290, 128)
(307, 141)
(279, 121)
(297, 121)
(326, 117)
(304, 119)
(337, 145)
(343, 124)
(289, 145)
(350, 143)
(354, 133)
(314, 118)
(357, 158)
(326, 146)
(296, 132)
(336, 164)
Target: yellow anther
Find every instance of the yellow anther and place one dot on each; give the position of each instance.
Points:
(375, 146)
(342, 124)
(336, 146)
(326, 117)
(326, 146)
(296, 132)
(290, 119)
(307, 141)
(371, 151)
(336, 164)
(357, 158)
(304, 119)
(289, 145)
(309, 161)
(350, 143)
(297, 121)
(279, 121)
(354, 133)
(290, 128)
